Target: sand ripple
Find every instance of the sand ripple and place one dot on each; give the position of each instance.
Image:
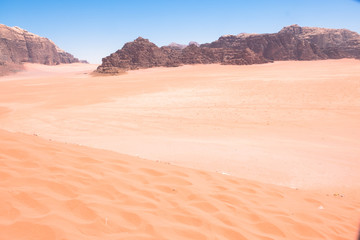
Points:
(51, 190)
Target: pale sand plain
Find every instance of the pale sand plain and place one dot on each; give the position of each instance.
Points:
(294, 124)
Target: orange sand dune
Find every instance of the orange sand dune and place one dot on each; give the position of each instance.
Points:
(51, 190)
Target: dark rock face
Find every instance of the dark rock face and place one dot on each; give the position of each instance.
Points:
(291, 43)
(18, 46)
(140, 53)
(297, 43)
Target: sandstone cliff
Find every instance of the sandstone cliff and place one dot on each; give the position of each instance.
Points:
(296, 43)
(291, 43)
(19, 46)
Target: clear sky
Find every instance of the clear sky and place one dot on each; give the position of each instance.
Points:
(92, 29)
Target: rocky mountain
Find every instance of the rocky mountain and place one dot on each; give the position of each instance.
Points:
(140, 53)
(18, 46)
(291, 43)
(296, 43)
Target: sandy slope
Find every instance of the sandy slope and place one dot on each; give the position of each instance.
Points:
(289, 123)
(294, 124)
(51, 190)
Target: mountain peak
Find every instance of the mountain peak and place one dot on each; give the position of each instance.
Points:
(295, 28)
(141, 39)
(175, 45)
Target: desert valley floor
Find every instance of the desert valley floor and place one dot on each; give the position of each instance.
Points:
(268, 151)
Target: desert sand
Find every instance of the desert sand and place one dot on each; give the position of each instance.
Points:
(51, 190)
(238, 152)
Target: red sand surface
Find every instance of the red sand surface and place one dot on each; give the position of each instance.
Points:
(294, 124)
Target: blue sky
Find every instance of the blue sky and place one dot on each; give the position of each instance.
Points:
(92, 29)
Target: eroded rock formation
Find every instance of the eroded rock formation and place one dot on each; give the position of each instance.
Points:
(18, 46)
(291, 43)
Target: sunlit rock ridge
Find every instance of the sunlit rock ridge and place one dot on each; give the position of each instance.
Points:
(290, 43)
(19, 46)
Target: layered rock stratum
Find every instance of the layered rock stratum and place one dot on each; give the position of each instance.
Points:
(19, 46)
(290, 43)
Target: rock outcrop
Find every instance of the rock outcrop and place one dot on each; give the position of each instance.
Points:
(140, 53)
(18, 46)
(291, 43)
(296, 43)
